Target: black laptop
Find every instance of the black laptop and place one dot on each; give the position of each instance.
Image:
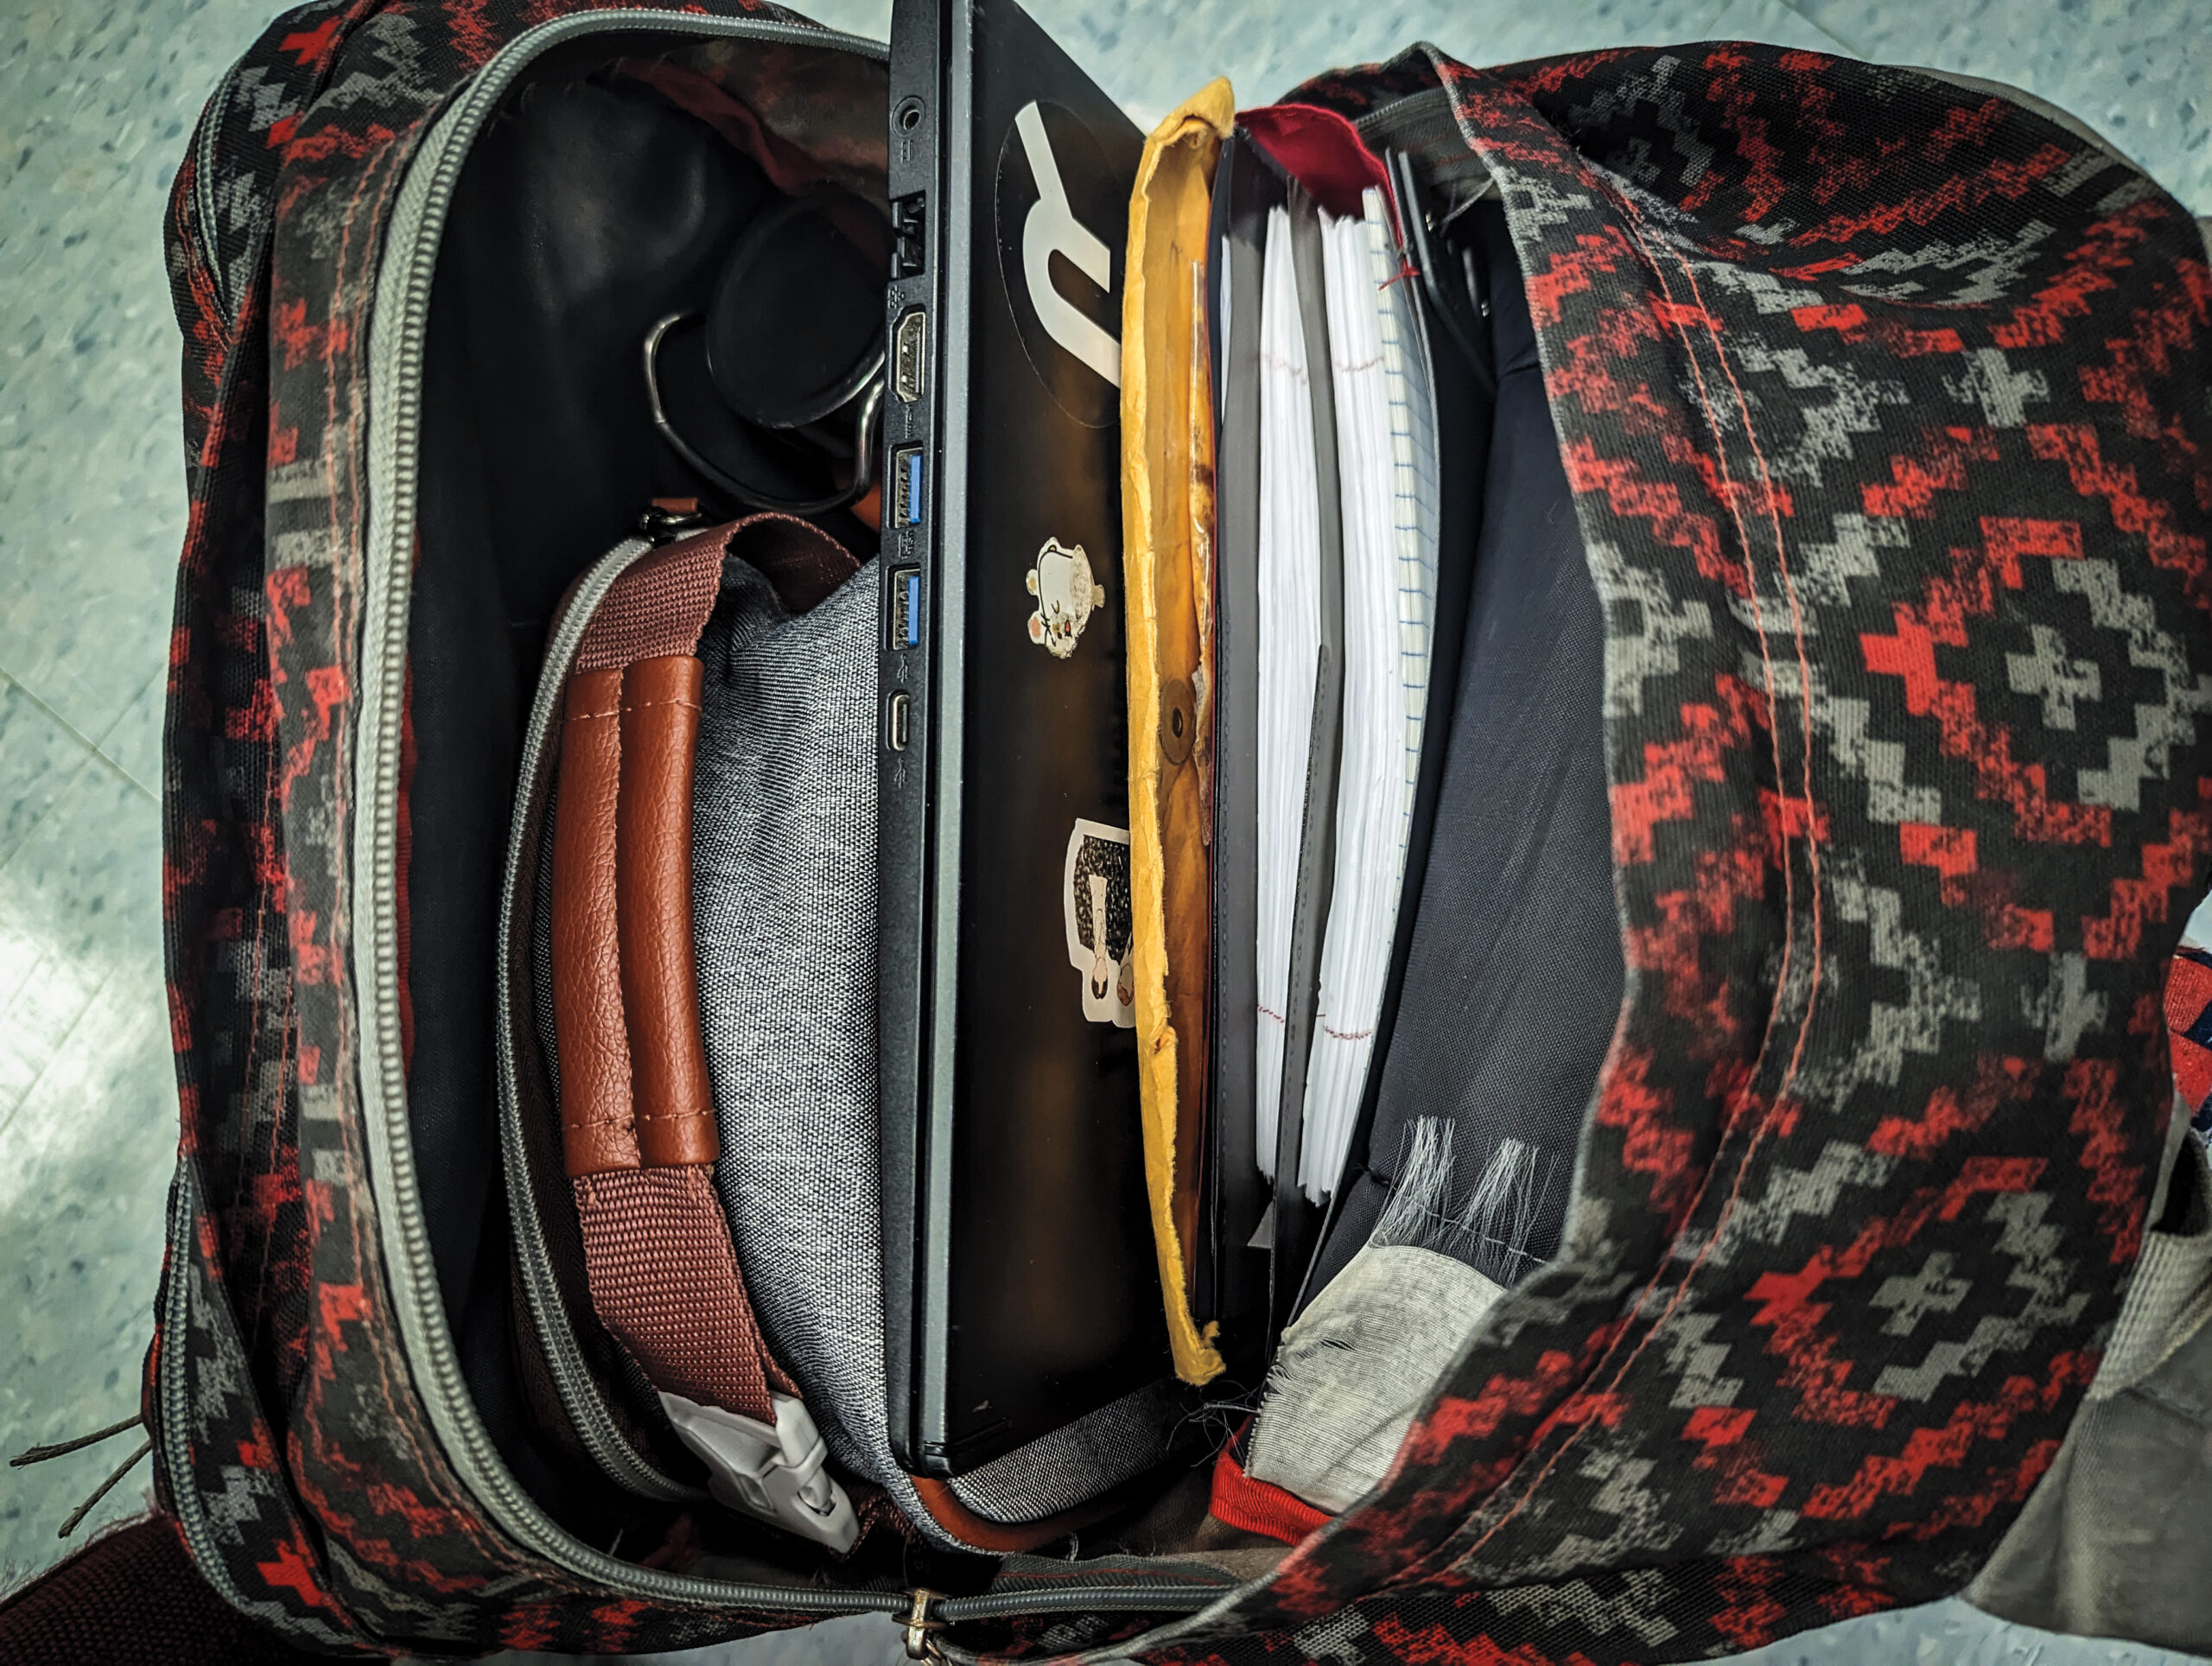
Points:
(1021, 1287)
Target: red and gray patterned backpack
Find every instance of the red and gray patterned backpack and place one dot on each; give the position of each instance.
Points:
(1883, 399)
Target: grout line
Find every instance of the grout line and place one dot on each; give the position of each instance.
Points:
(154, 792)
(32, 694)
(97, 749)
(68, 779)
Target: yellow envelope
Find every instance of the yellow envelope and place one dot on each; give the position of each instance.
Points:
(1167, 578)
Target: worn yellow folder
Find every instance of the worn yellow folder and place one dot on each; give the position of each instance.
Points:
(1168, 558)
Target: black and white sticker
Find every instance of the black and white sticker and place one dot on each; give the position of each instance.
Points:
(1095, 893)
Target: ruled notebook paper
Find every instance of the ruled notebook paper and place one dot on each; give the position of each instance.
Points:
(1289, 641)
(1387, 469)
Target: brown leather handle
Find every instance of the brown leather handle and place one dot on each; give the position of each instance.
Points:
(674, 1102)
(590, 1038)
(638, 1122)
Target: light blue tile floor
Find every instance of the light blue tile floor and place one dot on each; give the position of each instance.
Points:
(95, 103)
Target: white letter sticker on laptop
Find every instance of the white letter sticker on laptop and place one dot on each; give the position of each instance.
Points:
(1061, 215)
(1095, 894)
(1050, 228)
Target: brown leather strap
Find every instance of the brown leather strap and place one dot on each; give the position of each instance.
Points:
(652, 880)
(590, 1035)
(638, 1135)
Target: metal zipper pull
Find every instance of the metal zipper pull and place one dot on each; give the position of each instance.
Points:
(921, 1643)
(667, 519)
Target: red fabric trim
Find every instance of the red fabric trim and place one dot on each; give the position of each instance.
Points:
(1259, 1506)
(2189, 994)
(1005, 1538)
(1323, 153)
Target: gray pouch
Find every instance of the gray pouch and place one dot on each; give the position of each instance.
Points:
(783, 865)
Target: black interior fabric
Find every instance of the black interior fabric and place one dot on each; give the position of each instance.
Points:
(588, 209)
(1513, 978)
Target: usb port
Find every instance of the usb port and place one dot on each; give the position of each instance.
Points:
(911, 340)
(906, 607)
(897, 719)
(907, 486)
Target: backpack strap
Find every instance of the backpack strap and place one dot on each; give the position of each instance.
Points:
(639, 1134)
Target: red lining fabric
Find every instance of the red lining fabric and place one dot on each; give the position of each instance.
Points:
(1322, 152)
(1260, 1506)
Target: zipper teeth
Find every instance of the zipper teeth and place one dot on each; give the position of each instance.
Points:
(402, 308)
(1382, 113)
(572, 1378)
(1088, 1598)
(176, 1393)
(203, 190)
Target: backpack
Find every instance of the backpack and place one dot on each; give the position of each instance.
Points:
(1882, 400)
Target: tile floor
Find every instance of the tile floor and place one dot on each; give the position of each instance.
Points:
(95, 102)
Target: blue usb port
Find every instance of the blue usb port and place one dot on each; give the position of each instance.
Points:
(906, 607)
(907, 486)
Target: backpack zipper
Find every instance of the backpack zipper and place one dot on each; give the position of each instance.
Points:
(173, 1387)
(205, 144)
(398, 320)
(617, 1457)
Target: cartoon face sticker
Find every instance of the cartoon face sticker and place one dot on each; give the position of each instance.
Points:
(1095, 894)
(1067, 594)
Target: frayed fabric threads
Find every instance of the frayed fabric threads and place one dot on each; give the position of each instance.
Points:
(1360, 1363)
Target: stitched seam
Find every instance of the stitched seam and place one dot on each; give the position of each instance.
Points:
(1790, 913)
(1659, 1275)
(650, 705)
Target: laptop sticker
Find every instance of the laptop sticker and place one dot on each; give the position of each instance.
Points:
(1095, 895)
(1067, 594)
(1060, 221)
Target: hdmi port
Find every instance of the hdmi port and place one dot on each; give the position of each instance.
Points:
(912, 338)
